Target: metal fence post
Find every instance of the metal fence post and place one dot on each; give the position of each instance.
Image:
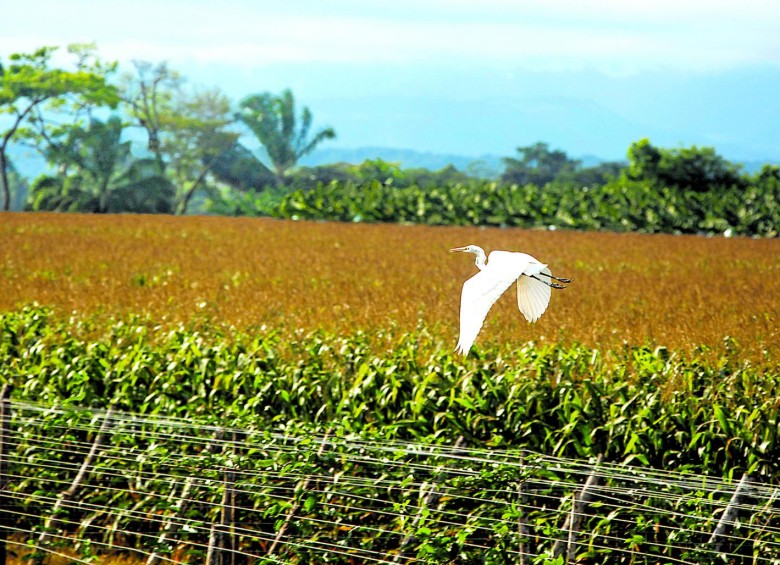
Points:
(5, 437)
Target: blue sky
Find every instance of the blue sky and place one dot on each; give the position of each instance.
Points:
(464, 77)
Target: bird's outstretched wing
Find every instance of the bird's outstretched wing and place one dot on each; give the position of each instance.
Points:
(482, 290)
(533, 296)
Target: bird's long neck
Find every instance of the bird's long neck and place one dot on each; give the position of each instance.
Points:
(481, 259)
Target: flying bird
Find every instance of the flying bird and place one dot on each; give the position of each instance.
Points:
(496, 274)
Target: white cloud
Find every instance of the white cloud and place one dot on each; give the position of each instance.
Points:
(503, 33)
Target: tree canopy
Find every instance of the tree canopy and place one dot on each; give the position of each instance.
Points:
(699, 169)
(284, 137)
(537, 165)
(151, 142)
(101, 175)
(29, 83)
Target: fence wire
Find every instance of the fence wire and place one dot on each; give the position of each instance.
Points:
(86, 483)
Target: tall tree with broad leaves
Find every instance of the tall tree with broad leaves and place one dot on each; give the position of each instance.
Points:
(202, 123)
(273, 121)
(101, 175)
(188, 130)
(30, 89)
(537, 165)
(697, 169)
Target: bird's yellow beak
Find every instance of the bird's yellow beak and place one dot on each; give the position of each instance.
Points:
(454, 249)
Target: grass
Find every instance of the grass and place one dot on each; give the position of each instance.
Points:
(682, 292)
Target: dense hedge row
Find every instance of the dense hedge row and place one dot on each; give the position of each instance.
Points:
(620, 205)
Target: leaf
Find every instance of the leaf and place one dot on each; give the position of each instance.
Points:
(723, 418)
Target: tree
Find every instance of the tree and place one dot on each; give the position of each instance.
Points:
(149, 94)
(17, 185)
(188, 130)
(201, 123)
(28, 84)
(102, 175)
(597, 175)
(427, 179)
(380, 170)
(699, 169)
(537, 165)
(644, 161)
(307, 178)
(240, 169)
(272, 120)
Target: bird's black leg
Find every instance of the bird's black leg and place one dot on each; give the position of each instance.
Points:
(561, 279)
(548, 283)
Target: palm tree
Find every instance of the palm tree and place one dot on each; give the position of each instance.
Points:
(272, 119)
(99, 174)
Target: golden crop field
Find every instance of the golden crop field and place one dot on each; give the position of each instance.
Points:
(676, 291)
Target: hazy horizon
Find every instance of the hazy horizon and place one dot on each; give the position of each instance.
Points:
(455, 77)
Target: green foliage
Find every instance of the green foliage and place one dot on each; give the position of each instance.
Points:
(374, 171)
(199, 137)
(241, 170)
(618, 205)
(273, 121)
(692, 168)
(100, 175)
(150, 95)
(638, 406)
(28, 80)
(188, 131)
(225, 201)
(194, 146)
(537, 165)
(29, 83)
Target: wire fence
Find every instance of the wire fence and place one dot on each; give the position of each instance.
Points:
(88, 483)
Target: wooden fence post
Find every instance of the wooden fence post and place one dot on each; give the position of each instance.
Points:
(214, 550)
(294, 508)
(573, 521)
(730, 513)
(224, 530)
(66, 495)
(215, 554)
(229, 514)
(522, 528)
(171, 526)
(5, 437)
(431, 499)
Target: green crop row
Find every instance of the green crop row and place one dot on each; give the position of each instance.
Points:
(620, 205)
(636, 405)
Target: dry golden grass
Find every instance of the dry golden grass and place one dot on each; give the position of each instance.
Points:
(677, 291)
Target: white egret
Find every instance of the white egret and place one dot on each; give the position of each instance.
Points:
(496, 274)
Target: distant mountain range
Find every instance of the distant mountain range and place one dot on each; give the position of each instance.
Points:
(30, 164)
(407, 158)
(487, 165)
